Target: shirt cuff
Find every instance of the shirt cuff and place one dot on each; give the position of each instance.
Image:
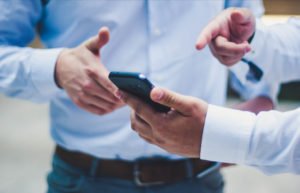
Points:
(42, 72)
(226, 135)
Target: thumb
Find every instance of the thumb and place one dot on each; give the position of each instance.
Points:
(243, 23)
(241, 16)
(171, 99)
(95, 43)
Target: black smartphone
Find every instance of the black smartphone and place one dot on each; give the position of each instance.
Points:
(138, 85)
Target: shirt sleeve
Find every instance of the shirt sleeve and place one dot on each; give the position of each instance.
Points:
(281, 44)
(269, 141)
(24, 72)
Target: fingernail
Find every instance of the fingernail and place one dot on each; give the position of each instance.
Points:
(119, 94)
(198, 47)
(158, 95)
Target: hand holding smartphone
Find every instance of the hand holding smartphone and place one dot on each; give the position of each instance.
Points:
(138, 85)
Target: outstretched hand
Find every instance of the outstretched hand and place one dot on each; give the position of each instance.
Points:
(80, 72)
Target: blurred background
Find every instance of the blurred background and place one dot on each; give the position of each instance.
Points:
(26, 147)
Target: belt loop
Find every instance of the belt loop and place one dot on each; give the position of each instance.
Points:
(189, 168)
(94, 166)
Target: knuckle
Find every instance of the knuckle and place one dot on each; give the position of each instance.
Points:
(169, 99)
(108, 85)
(237, 52)
(88, 85)
(90, 70)
(194, 106)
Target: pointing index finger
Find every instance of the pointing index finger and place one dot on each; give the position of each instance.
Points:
(207, 35)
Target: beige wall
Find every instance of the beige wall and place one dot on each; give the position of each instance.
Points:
(284, 7)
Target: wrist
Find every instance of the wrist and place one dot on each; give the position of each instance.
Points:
(58, 66)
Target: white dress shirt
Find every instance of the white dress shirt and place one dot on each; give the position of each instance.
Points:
(269, 141)
(156, 38)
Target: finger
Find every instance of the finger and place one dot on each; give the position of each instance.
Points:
(88, 107)
(95, 89)
(243, 24)
(171, 99)
(138, 118)
(229, 60)
(141, 108)
(207, 34)
(140, 126)
(149, 140)
(242, 16)
(103, 80)
(95, 43)
(224, 57)
(97, 102)
(224, 47)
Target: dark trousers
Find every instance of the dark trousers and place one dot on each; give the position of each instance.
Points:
(64, 178)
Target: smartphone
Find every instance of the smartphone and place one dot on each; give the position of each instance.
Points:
(138, 85)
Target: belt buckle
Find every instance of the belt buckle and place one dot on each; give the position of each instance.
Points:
(137, 177)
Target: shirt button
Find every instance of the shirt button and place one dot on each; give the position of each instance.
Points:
(157, 32)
